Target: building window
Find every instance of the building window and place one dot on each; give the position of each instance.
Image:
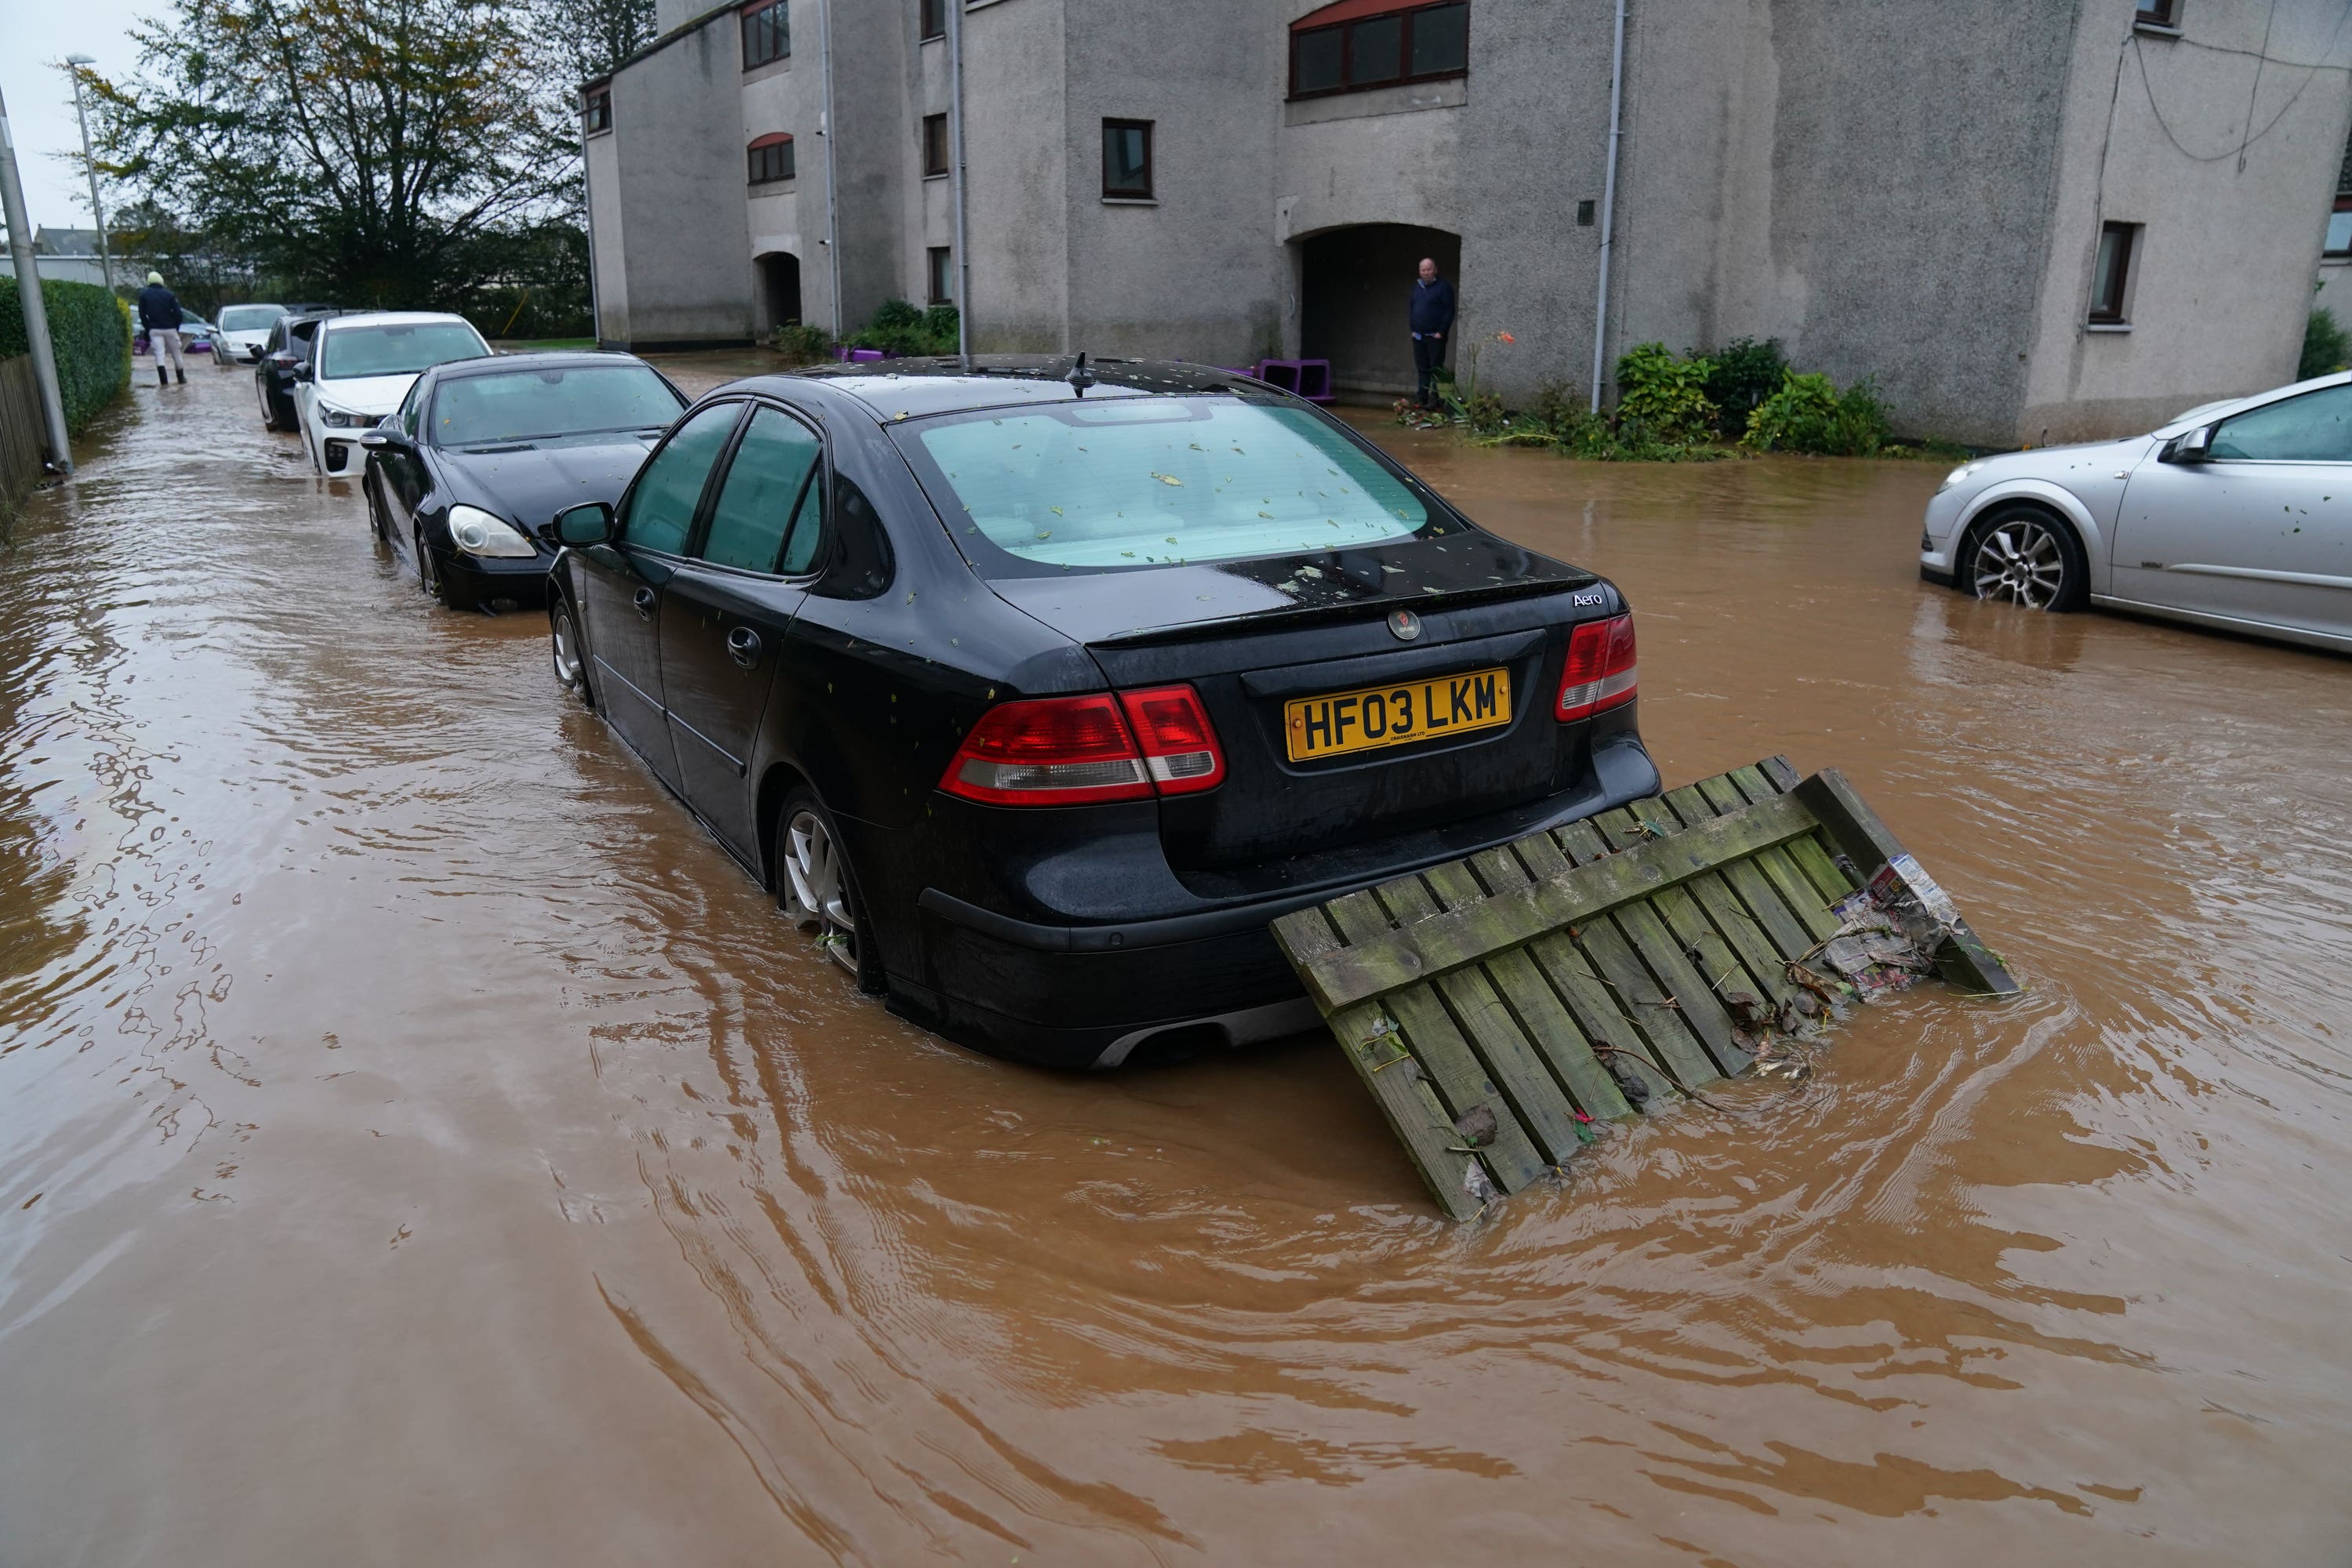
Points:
(1360, 44)
(2111, 274)
(767, 33)
(596, 111)
(2339, 227)
(935, 144)
(940, 264)
(2157, 13)
(772, 159)
(1127, 158)
(935, 19)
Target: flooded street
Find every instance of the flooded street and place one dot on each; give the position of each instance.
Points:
(419, 1142)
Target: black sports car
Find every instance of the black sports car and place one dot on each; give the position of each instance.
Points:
(483, 452)
(291, 339)
(1036, 691)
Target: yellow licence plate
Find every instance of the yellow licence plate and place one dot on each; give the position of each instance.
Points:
(1342, 721)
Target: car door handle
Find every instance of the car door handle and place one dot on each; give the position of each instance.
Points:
(743, 647)
(644, 601)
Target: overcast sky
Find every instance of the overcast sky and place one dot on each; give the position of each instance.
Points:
(38, 34)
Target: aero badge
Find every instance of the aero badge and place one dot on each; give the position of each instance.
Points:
(1404, 624)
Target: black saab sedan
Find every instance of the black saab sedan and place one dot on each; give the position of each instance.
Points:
(1037, 691)
(483, 452)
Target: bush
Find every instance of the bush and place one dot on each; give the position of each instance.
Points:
(1664, 395)
(803, 342)
(1809, 414)
(899, 326)
(2326, 347)
(1743, 373)
(89, 329)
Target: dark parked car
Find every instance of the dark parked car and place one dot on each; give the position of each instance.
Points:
(1038, 692)
(286, 351)
(483, 453)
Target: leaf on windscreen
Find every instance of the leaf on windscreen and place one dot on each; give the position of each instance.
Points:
(1172, 539)
(1047, 534)
(1265, 514)
(1310, 572)
(1054, 509)
(1166, 478)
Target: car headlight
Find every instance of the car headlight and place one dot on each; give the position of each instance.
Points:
(476, 533)
(1957, 475)
(344, 419)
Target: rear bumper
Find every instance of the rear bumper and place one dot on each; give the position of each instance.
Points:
(1081, 993)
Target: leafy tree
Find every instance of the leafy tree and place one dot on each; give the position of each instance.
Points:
(383, 152)
(588, 37)
(2326, 346)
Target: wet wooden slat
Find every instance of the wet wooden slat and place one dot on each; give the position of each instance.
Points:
(1578, 982)
(1617, 942)
(1399, 1086)
(1755, 894)
(1541, 1012)
(1460, 1079)
(1511, 1059)
(1809, 854)
(1717, 972)
(1374, 967)
(1795, 892)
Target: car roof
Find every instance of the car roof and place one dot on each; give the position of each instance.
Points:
(914, 389)
(2207, 413)
(546, 359)
(395, 318)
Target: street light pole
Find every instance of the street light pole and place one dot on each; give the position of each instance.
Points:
(28, 298)
(89, 166)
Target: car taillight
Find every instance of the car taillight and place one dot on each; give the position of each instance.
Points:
(1179, 745)
(1052, 751)
(1081, 751)
(1599, 674)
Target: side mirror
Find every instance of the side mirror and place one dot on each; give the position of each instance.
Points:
(582, 526)
(2196, 446)
(302, 370)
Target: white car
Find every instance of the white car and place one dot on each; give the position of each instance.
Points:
(2236, 515)
(359, 370)
(243, 330)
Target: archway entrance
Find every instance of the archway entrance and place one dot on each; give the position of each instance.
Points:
(780, 290)
(1354, 287)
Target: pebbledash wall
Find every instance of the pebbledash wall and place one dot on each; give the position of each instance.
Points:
(1909, 192)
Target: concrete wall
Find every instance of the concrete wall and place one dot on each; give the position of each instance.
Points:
(1198, 275)
(1016, 113)
(679, 182)
(2213, 313)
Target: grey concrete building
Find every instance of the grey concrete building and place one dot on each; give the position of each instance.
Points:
(2028, 221)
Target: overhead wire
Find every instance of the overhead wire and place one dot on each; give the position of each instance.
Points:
(2311, 70)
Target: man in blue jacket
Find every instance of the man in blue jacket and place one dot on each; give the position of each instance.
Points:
(1432, 319)
(159, 312)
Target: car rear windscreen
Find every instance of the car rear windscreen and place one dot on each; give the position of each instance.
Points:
(526, 404)
(248, 318)
(1149, 481)
(398, 349)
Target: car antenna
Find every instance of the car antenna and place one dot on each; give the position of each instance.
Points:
(1080, 377)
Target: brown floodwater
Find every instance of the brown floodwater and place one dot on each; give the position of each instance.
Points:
(418, 1142)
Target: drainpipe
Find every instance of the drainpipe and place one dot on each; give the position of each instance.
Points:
(955, 156)
(28, 296)
(588, 206)
(1609, 202)
(832, 186)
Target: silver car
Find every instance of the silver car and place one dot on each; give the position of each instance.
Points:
(2236, 515)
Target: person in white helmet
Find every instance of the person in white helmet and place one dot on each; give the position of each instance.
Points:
(159, 312)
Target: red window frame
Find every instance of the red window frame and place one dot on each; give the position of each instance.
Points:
(1345, 16)
(771, 158)
(767, 27)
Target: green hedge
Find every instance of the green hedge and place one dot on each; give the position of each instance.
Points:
(91, 331)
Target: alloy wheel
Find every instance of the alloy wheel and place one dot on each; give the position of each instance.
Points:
(817, 897)
(2021, 561)
(563, 648)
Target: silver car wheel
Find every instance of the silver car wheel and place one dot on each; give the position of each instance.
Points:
(816, 895)
(2021, 561)
(564, 651)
